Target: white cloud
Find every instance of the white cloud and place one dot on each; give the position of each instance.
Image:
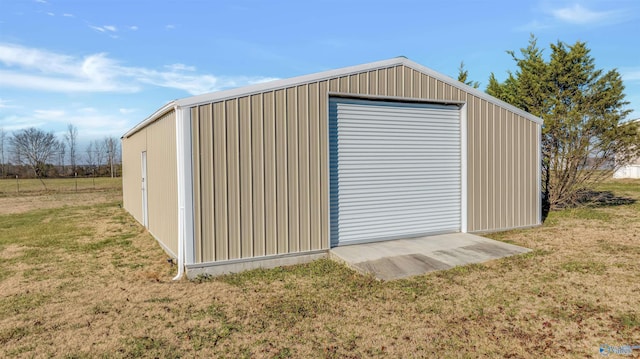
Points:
(41, 1)
(577, 14)
(551, 15)
(68, 15)
(48, 114)
(15, 123)
(43, 70)
(97, 28)
(180, 67)
(170, 27)
(51, 14)
(91, 124)
(126, 111)
(105, 28)
(5, 103)
(534, 25)
(133, 28)
(31, 68)
(630, 74)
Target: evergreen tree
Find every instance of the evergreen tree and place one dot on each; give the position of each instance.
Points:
(463, 75)
(583, 109)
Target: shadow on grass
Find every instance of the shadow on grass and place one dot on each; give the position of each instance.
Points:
(593, 198)
(589, 199)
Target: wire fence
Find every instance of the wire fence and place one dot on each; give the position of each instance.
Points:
(27, 186)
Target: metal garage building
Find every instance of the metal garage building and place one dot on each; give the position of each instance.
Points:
(280, 172)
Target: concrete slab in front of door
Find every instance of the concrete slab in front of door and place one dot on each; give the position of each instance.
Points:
(403, 258)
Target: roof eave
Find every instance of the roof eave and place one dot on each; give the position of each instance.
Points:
(155, 116)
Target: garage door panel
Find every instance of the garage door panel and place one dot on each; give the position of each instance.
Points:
(395, 170)
(384, 232)
(405, 221)
(381, 192)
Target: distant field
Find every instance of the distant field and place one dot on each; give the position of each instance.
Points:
(9, 187)
(79, 278)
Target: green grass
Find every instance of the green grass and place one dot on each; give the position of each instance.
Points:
(630, 320)
(584, 267)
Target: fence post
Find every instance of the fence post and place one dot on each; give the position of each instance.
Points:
(18, 184)
(76, 182)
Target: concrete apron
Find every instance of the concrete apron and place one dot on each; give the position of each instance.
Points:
(403, 258)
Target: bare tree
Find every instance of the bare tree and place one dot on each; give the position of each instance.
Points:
(100, 153)
(61, 149)
(34, 147)
(70, 137)
(111, 147)
(90, 156)
(3, 137)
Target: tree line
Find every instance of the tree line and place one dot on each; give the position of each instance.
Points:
(35, 153)
(585, 135)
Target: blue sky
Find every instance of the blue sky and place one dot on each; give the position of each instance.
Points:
(104, 66)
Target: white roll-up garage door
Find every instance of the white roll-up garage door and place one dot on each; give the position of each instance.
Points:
(394, 170)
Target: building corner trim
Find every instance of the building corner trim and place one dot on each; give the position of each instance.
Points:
(185, 190)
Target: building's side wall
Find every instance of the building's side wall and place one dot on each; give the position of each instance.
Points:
(263, 164)
(132, 148)
(159, 141)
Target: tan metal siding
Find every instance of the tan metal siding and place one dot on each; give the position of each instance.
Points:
(266, 163)
(158, 139)
(258, 175)
(197, 213)
(281, 173)
(292, 165)
(323, 103)
(343, 84)
(233, 177)
(246, 183)
(206, 179)
(132, 148)
(270, 193)
(303, 168)
(416, 83)
(354, 83)
(162, 184)
(221, 226)
(314, 168)
(363, 84)
(511, 170)
(391, 81)
(372, 79)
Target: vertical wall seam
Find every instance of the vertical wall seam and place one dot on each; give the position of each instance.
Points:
(226, 164)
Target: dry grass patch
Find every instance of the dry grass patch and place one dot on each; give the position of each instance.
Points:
(87, 281)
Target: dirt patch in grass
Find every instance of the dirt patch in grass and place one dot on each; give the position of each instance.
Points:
(92, 283)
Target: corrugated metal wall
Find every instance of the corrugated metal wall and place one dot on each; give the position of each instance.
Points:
(263, 164)
(159, 141)
(132, 173)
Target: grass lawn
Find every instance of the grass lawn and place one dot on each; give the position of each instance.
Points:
(30, 186)
(80, 278)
